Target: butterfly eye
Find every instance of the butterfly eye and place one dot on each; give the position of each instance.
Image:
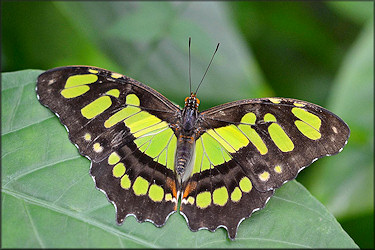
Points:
(186, 99)
(198, 101)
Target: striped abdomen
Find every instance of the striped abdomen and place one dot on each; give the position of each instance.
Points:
(184, 160)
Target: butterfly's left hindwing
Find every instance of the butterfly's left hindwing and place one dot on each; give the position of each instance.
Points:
(123, 127)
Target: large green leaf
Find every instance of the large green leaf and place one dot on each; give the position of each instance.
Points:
(50, 200)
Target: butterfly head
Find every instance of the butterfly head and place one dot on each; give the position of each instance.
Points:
(192, 101)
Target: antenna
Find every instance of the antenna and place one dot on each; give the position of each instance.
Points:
(189, 64)
(217, 47)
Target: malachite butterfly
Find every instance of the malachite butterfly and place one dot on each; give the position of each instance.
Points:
(147, 154)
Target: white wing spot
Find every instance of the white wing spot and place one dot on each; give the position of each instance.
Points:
(334, 129)
(97, 147)
(264, 176)
(274, 100)
(116, 75)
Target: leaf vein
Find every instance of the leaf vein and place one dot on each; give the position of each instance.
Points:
(14, 110)
(22, 174)
(37, 236)
(299, 204)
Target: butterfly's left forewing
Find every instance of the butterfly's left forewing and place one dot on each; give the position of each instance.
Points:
(123, 127)
(248, 149)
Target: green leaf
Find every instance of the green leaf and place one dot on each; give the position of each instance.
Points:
(143, 25)
(49, 199)
(347, 186)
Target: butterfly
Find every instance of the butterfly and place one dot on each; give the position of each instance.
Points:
(148, 155)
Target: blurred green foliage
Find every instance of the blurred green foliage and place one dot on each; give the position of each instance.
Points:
(320, 52)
